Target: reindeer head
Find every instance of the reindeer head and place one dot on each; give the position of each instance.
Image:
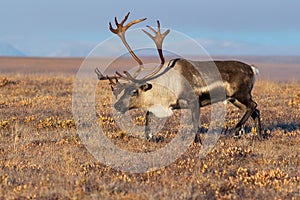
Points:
(132, 97)
(128, 90)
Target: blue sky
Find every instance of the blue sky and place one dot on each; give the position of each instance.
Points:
(73, 28)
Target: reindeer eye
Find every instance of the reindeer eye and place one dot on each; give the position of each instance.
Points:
(134, 93)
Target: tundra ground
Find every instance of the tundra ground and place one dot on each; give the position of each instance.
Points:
(42, 157)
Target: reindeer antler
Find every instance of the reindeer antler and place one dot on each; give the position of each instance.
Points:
(113, 80)
(114, 83)
(120, 31)
(158, 39)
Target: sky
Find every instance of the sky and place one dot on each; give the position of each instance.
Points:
(73, 28)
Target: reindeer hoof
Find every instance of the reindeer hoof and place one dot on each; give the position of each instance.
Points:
(149, 138)
(155, 139)
(239, 132)
(148, 135)
(197, 139)
(261, 135)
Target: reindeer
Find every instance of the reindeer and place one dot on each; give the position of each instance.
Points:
(189, 84)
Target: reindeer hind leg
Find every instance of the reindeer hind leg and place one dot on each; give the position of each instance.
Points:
(256, 117)
(249, 106)
(195, 109)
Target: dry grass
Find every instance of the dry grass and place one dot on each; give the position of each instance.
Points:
(41, 156)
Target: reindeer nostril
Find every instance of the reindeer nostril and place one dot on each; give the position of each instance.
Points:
(117, 106)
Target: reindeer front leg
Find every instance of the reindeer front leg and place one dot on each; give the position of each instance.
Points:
(148, 133)
(195, 118)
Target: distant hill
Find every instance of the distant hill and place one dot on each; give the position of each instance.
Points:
(73, 50)
(7, 49)
(261, 59)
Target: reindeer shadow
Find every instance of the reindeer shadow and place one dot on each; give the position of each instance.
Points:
(267, 131)
(286, 127)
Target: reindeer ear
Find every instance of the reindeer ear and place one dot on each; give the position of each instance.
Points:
(146, 86)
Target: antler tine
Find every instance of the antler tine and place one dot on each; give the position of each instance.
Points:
(127, 76)
(109, 78)
(125, 18)
(134, 22)
(100, 75)
(121, 75)
(111, 82)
